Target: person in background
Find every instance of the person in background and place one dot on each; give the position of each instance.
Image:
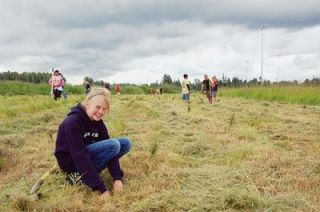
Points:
(118, 89)
(214, 88)
(107, 86)
(206, 88)
(87, 86)
(57, 83)
(84, 148)
(185, 85)
(64, 93)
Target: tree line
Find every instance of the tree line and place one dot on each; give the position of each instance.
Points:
(32, 77)
(167, 81)
(235, 82)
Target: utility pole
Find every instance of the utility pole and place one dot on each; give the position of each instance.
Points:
(247, 73)
(262, 27)
(278, 56)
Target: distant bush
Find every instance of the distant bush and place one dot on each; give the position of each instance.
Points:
(131, 89)
(171, 88)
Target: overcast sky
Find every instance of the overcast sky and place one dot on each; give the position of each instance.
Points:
(138, 41)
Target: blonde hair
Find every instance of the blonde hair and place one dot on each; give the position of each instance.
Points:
(98, 91)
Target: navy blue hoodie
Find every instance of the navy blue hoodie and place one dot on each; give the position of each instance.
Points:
(75, 132)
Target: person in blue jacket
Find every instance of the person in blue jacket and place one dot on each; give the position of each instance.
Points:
(84, 147)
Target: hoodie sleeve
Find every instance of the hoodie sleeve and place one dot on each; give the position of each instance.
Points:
(81, 156)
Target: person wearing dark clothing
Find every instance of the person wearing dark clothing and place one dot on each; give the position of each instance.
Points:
(214, 88)
(161, 90)
(107, 86)
(83, 144)
(206, 88)
(64, 94)
(87, 87)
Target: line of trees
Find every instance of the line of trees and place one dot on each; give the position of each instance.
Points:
(166, 82)
(236, 82)
(33, 77)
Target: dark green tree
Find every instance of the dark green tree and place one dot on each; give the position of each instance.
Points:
(88, 79)
(166, 79)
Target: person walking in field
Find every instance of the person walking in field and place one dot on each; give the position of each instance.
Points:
(56, 81)
(107, 86)
(84, 147)
(161, 90)
(64, 93)
(185, 85)
(214, 88)
(87, 86)
(118, 89)
(206, 88)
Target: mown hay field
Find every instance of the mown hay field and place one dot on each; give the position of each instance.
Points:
(238, 154)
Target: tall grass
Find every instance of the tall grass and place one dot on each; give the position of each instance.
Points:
(291, 94)
(10, 88)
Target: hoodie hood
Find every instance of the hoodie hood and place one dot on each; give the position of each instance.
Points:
(79, 111)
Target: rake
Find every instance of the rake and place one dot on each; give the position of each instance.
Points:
(40, 181)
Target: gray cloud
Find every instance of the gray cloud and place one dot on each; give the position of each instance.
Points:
(281, 13)
(103, 38)
(93, 14)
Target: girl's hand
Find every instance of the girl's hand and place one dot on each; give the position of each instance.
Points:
(117, 185)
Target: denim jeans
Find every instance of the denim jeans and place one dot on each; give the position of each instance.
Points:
(107, 153)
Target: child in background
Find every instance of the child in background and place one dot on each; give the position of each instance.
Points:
(214, 88)
(206, 88)
(118, 89)
(185, 85)
(57, 83)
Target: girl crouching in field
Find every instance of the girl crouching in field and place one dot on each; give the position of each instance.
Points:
(83, 145)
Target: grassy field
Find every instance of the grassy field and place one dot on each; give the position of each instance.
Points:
(12, 88)
(289, 94)
(240, 154)
(299, 94)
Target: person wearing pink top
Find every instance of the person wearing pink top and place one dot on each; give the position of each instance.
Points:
(57, 83)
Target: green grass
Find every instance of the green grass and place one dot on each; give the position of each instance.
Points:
(290, 94)
(239, 154)
(10, 88)
(294, 94)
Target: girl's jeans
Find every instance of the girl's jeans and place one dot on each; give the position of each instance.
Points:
(106, 153)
